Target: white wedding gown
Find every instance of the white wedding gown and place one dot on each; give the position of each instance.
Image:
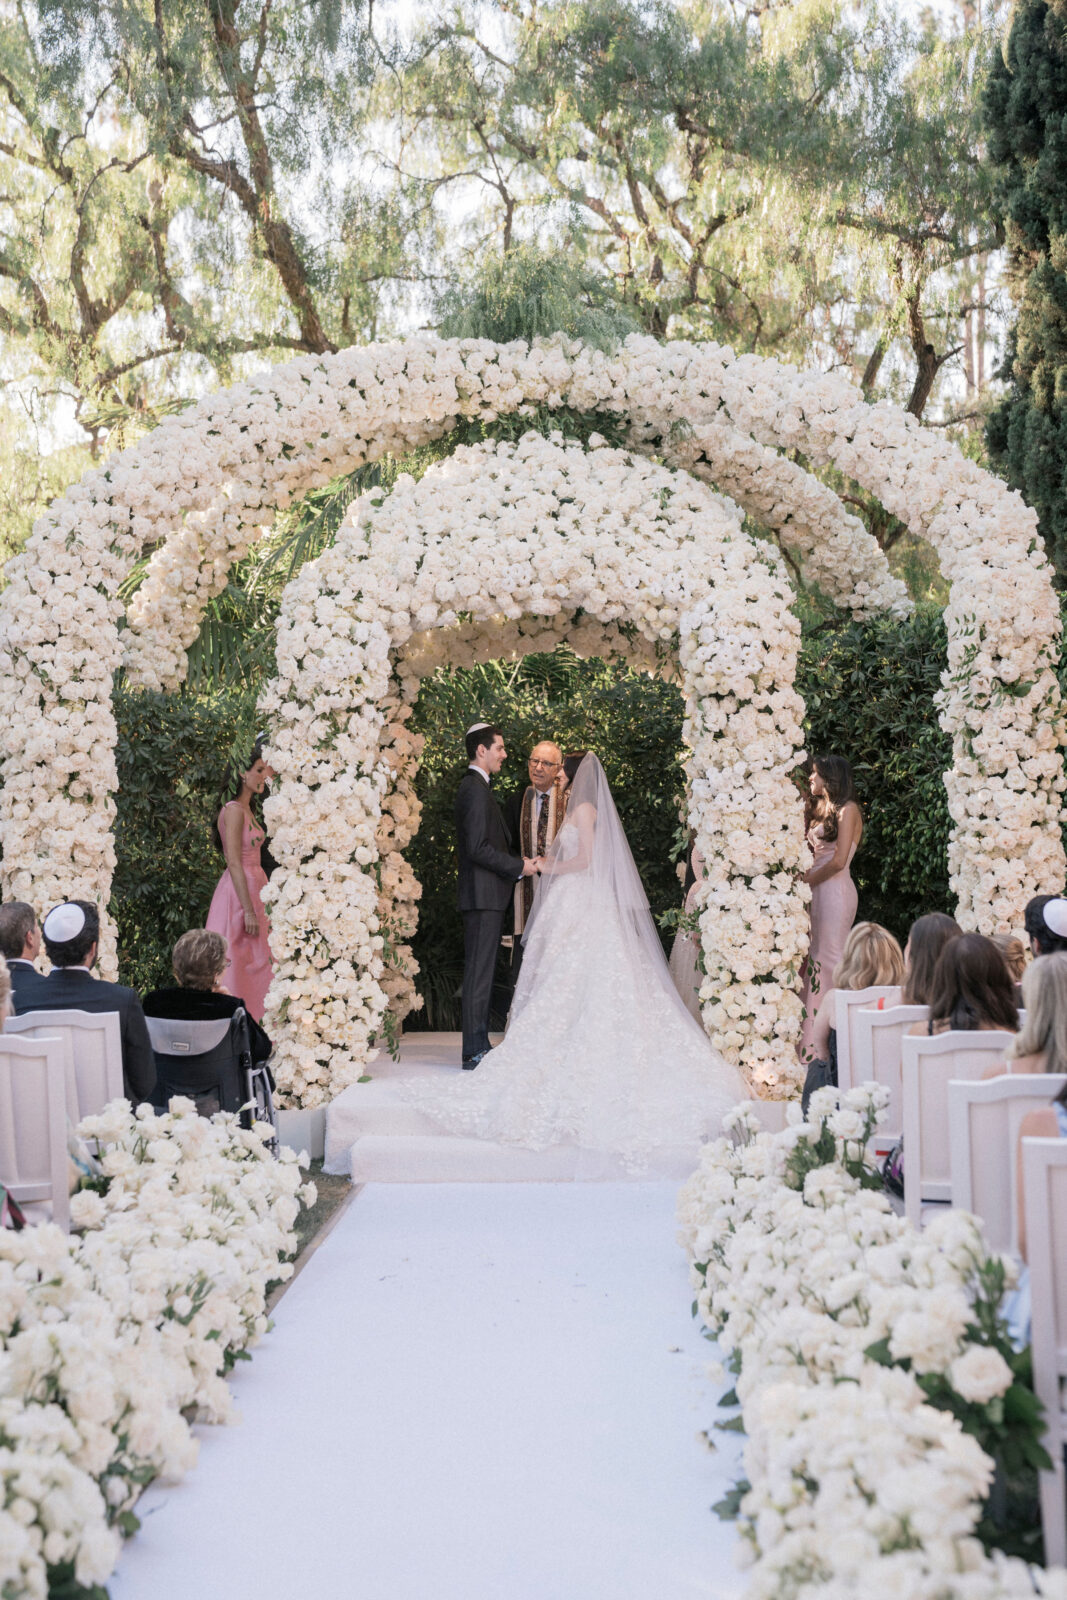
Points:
(600, 1051)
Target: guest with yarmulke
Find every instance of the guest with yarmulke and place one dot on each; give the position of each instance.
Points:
(71, 937)
(1045, 921)
(236, 907)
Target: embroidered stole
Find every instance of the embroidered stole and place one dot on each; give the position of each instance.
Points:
(551, 819)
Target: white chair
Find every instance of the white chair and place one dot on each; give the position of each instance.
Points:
(929, 1065)
(878, 1049)
(93, 1057)
(983, 1130)
(846, 1004)
(33, 1124)
(1045, 1198)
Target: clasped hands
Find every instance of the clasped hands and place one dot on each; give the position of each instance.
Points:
(532, 866)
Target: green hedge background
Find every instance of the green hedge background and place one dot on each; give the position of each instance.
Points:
(868, 687)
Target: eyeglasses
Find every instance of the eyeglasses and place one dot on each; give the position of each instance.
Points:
(535, 763)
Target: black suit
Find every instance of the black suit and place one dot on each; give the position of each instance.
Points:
(488, 872)
(26, 981)
(74, 989)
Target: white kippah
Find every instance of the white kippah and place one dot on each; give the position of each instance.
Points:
(476, 727)
(63, 923)
(1054, 917)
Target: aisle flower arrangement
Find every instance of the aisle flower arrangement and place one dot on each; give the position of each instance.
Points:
(547, 529)
(871, 1367)
(113, 1341)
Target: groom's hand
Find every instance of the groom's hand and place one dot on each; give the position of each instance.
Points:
(528, 868)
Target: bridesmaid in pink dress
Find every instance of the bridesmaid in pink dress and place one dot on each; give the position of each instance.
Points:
(835, 828)
(236, 908)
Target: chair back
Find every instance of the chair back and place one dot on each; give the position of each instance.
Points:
(877, 1052)
(204, 1061)
(929, 1065)
(847, 1003)
(33, 1123)
(984, 1118)
(93, 1056)
(1045, 1197)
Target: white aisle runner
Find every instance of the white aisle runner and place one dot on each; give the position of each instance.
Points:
(473, 1392)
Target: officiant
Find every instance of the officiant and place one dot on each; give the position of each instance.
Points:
(535, 815)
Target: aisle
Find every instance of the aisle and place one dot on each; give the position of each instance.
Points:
(473, 1392)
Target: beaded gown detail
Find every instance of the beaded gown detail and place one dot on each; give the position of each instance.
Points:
(600, 1050)
(833, 911)
(249, 971)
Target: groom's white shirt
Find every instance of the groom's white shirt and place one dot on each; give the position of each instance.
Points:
(479, 770)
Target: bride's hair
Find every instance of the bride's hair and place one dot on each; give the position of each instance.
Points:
(572, 762)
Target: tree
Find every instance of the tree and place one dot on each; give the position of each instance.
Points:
(1025, 105)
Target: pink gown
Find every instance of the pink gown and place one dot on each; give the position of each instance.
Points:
(249, 973)
(833, 911)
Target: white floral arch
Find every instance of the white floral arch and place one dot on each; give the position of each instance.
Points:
(205, 484)
(493, 535)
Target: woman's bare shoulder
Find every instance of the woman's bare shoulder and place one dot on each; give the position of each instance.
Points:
(1041, 1124)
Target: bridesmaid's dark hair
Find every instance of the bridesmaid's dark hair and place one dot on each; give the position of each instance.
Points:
(972, 986)
(235, 782)
(572, 762)
(928, 937)
(836, 774)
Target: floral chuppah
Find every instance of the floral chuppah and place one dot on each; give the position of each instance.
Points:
(554, 531)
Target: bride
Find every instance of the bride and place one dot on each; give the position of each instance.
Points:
(600, 1051)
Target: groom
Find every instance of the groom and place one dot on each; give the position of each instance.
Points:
(488, 873)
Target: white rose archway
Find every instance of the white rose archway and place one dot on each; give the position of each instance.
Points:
(204, 485)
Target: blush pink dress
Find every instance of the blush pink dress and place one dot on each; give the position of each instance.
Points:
(833, 911)
(249, 973)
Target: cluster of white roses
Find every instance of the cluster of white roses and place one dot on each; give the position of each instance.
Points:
(467, 560)
(857, 1485)
(112, 1339)
(206, 483)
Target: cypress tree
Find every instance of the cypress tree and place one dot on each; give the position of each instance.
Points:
(1025, 116)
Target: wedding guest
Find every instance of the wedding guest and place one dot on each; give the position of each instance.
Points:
(834, 830)
(871, 957)
(928, 937)
(236, 907)
(1045, 922)
(1013, 952)
(71, 937)
(199, 960)
(1041, 1043)
(971, 990)
(1048, 1123)
(20, 945)
(685, 951)
(6, 1008)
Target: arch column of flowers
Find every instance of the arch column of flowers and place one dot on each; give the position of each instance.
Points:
(541, 529)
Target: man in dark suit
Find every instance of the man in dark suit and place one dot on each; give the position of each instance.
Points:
(71, 935)
(20, 945)
(488, 873)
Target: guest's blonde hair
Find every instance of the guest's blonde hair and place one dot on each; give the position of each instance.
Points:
(199, 959)
(871, 955)
(1014, 952)
(5, 991)
(1044, 1033)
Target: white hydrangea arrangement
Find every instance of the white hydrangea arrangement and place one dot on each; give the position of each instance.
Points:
(842, 1323)
(111, 1340)
(591, 540)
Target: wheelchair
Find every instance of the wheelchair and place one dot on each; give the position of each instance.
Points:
(210, 1063)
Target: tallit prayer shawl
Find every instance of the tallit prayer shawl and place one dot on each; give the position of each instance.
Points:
(551, 820)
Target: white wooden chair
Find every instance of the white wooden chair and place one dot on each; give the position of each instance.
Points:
(847, 1003)
(877, 1042)
(33, 1124)
(983, 1130)
(1045, 1198)
(92, 1054)
(929, 1065)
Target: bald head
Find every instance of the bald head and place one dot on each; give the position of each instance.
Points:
(546, 759)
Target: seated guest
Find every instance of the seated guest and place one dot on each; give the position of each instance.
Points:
(971, 991)
(1014, 952)
(71, 935)
(928, 937)
(1045, 921)
(20, 945)
(199, 959)
(1041, 1044)
(871, 956)
(6, 1008)
(1048, 1123)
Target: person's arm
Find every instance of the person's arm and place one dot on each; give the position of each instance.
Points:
(1035, 1125)
(849, 826)
(473, 827)
(138, 1062)
(824, 1020)
(233, 826)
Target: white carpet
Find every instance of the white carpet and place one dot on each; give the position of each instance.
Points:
(472, 1393)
